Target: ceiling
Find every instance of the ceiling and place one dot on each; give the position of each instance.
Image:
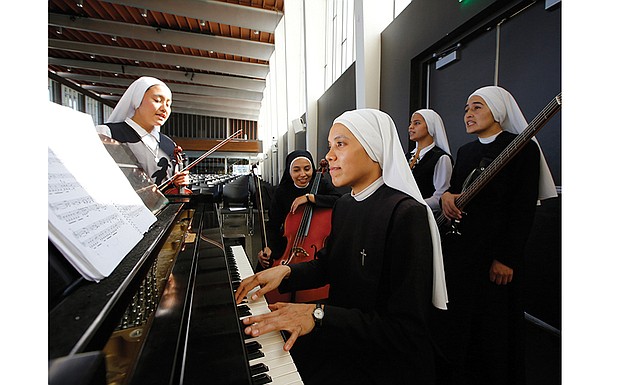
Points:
(213, 54)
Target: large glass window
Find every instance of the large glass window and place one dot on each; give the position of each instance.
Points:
(92, 108)
(51, 87)
(107, 111)
(339, 39)
(399, 5)
(340, 36)
(70, 98)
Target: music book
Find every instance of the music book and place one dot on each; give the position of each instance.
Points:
(95, 217)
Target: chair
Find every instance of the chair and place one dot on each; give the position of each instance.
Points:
(236, 201)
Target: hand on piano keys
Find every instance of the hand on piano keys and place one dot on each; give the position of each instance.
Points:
(269, 361)
(256, 285)
(295, 318)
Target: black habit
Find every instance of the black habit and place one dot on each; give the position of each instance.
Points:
(480, 330)
(379, 263)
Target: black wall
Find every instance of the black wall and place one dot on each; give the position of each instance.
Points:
(529, 67)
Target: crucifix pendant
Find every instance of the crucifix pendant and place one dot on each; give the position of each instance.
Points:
(363, 254)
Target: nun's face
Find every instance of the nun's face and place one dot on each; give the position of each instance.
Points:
(417, 128)
(479, 118)
(349, 164)
(154, 109)
(301, 172)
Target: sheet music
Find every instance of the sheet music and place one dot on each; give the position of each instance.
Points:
(94, 216)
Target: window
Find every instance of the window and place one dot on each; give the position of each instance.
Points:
(340, 36)
(52, 89)
(92, 108)
(70, 98)
(339, 39)
(399, 5)
(107, 111)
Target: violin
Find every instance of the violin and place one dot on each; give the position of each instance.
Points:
(305, 232)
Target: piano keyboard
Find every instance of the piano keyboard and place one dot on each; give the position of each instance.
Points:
(269, 363)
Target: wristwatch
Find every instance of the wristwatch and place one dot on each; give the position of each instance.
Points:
(307, 197)
(318, 313)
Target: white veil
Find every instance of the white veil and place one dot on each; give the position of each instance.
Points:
(506, 111)
(436, 128)
(131, 99)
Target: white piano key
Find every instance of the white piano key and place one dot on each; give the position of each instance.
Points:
(274, 360)
(286, 378)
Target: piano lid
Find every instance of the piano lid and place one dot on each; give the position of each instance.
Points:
(128, 163)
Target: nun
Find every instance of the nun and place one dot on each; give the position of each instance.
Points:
(383, 262)
(484, 264)
(431, 160)
(136, 120)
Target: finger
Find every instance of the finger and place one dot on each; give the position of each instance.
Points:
(291, 340)
(244, 288)
(263, 326)
(276, 306)
(239, 296)
(261, 292)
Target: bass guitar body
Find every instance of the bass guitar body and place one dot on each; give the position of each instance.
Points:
(302, 246)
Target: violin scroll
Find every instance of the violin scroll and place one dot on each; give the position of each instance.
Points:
(323, 166)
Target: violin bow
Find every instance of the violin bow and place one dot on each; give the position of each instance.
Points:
(200, 159)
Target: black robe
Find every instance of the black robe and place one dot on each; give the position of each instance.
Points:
(378, 261)
(480, 331)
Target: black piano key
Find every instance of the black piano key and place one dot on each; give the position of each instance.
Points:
(258, 369)
(255, 355)
(252, 346)
(260, 379)
(243, 311)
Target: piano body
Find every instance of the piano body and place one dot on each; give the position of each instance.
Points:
(166, 314)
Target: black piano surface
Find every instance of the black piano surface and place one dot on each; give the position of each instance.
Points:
(189, 333)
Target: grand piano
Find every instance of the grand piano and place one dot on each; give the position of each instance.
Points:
(166, 314)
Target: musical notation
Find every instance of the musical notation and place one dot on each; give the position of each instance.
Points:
(95, 218)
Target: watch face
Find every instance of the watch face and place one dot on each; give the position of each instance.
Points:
(318, 313)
